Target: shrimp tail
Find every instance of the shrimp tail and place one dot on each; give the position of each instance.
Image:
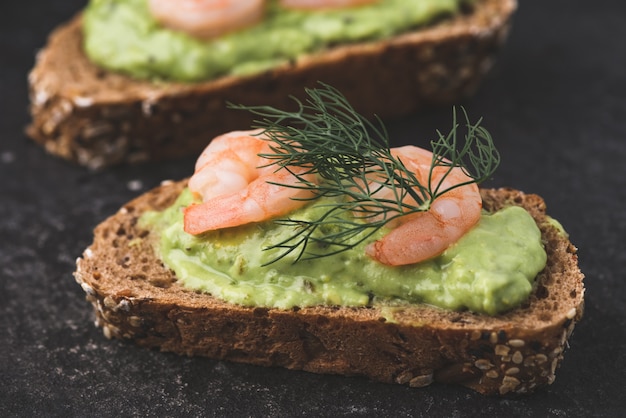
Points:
(375, 251)
(223, 212)
(196, 219)
(414, 242)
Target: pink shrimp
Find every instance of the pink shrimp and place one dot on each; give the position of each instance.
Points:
(323, 4)
(235, 184)
(207, 18)
(420, 236)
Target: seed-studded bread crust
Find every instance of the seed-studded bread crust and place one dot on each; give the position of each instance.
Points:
(136, 298)
(99, 118)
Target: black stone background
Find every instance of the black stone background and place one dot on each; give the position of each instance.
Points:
(556, 104)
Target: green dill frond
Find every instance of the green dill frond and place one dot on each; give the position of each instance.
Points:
(353, 160)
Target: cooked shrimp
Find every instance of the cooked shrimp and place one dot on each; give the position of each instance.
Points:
(206, 18)
(323, 4)
(420, 236)
(235, 184)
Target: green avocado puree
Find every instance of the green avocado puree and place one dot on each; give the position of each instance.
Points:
(121, 35)
(490, 270)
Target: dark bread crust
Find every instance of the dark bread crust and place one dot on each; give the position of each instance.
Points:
(136, 298)
(98, 118)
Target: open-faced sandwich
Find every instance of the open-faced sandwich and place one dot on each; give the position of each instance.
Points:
(132, 80)
(309, 243)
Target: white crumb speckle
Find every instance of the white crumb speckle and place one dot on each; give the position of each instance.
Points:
(7, 157)
(83, 101)
(41, 97)
(135, 185)
(87, 289)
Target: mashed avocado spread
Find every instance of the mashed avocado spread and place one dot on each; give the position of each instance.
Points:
(121, 35)
(490, 270)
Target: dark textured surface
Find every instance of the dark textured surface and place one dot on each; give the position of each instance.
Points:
(556, 104)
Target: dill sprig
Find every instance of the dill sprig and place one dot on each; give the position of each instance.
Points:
(352, 158)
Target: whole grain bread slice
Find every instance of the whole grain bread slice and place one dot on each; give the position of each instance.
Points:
(98, 118)
(136, 298)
